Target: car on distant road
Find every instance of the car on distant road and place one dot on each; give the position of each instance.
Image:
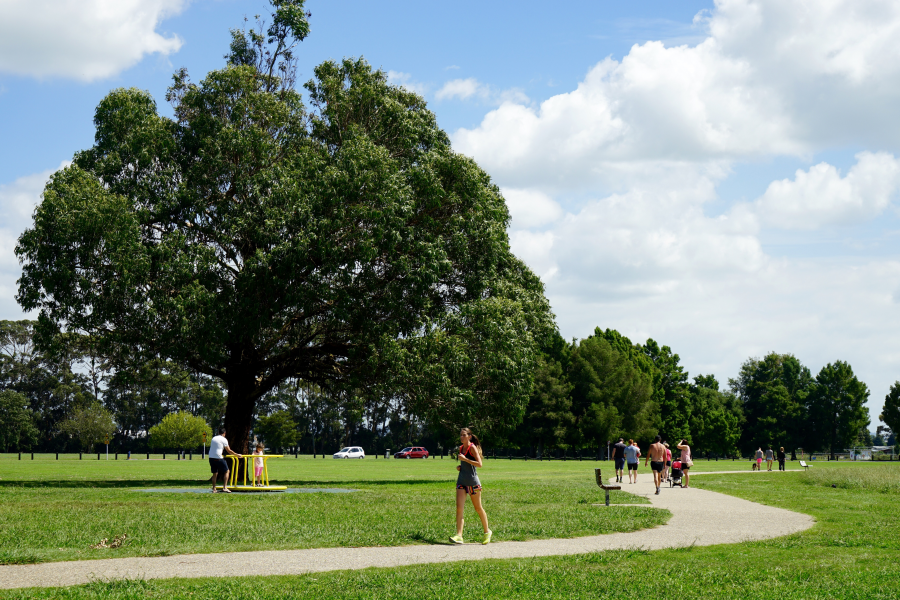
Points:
(350, 452)
(412, 452)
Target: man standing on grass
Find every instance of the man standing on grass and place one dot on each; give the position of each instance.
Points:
(657, 459)
(217, 462)
(619, 458)
(632, 453)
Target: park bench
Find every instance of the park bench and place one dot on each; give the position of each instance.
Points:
(804, 465)
(604, 486)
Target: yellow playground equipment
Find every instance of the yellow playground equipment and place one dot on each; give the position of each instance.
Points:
(261, 485)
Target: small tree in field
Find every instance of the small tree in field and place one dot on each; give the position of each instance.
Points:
(278, 430)
(89, 425)
(179, 431)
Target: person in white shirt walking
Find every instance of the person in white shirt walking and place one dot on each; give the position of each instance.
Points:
(217, 463)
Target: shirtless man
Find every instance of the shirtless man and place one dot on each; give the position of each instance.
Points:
(657, 459)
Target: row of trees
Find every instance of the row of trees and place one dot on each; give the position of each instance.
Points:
(321, 267)
(586, 393)
(606, 386)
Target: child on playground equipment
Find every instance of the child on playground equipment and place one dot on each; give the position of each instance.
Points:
(258, 464)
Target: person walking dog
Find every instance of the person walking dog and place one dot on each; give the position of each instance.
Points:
(467, 483)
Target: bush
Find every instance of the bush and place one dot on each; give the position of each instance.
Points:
(179, 431)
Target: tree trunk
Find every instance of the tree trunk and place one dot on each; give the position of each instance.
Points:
(239, 417)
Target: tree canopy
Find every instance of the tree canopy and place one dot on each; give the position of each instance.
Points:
(837, 407)
(252, 239)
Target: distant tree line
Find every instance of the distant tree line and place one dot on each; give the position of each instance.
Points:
(587, 392)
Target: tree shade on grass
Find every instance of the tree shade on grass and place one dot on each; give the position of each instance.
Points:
(254, 239)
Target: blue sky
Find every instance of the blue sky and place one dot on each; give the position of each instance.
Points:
(721, 177)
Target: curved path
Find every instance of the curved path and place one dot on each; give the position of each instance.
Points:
(699, 517)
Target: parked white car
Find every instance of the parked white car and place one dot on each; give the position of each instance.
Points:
(350, 452)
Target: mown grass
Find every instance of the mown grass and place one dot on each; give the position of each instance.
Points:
(51, 511)
(851, 553)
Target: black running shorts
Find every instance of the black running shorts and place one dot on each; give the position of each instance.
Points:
(632, 466)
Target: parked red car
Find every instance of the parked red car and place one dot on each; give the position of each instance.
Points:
(412, 452)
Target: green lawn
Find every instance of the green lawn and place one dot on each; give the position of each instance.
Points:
(54, 510)
(852, 552)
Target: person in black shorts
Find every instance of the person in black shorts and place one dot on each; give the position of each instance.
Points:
(657, 459)
(619, 458)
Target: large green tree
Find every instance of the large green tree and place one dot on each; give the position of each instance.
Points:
(253, 239)
(773, 392)
(610, 396)
(671, 391)
(890, 412)
(837, 408)
(17, 429)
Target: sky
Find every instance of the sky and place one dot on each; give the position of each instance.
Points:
(721, 177)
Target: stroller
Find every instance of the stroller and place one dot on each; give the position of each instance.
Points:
(675, 474)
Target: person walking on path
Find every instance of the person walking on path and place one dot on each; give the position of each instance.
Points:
(619, 459)
(781, 458)
(686, 462)
(632, 454)
(217, 463)
(467, 482)
(668, 462)
(759, 456)
(770, 456)
(657, 459)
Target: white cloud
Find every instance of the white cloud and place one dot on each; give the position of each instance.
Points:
(17, 202)
(406, 80)
(771, 78)
(531, 208)
(820, 196)
(82, 39)
(465, 89)
(459, 88)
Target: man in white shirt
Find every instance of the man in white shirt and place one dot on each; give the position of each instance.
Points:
(217, 463)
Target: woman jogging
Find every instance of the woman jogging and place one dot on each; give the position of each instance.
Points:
(686, 462)
(468, 483)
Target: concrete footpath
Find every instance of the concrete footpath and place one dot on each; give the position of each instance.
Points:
(699, 517)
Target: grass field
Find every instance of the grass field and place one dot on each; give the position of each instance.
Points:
(851, 553)
(54, 510)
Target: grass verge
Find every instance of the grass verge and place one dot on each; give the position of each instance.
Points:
(851, 553)
(52, 511)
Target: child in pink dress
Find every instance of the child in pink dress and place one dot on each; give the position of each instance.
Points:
(258, 464)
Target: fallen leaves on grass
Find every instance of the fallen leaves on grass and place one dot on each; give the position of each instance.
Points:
(117, 542)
